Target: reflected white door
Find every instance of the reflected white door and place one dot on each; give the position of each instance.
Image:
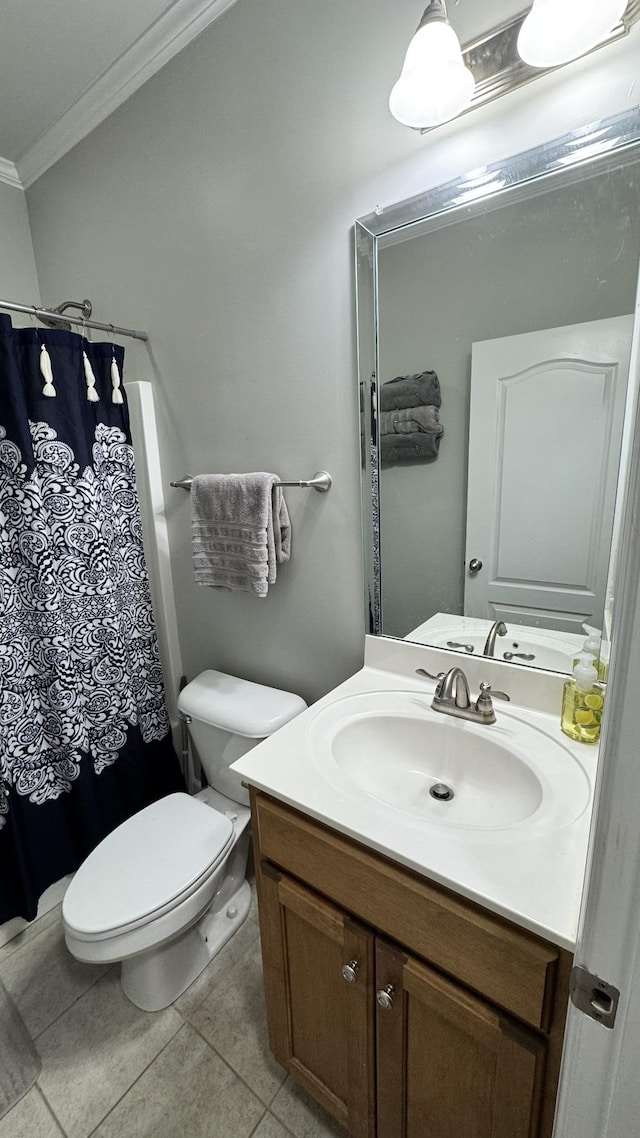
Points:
(546, 418)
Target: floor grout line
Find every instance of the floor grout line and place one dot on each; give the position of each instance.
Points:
(258, 1123)
(241, 959)
(237, 1073)
(143, 1072)
(6, 953)
(59, 1016)
(270, 1114)
(185, 1023)
(51, 1110)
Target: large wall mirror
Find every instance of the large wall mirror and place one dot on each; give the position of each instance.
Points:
(496, 331)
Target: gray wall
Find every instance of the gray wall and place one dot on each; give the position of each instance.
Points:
(564, 257)
(18, 279)
(215, 209)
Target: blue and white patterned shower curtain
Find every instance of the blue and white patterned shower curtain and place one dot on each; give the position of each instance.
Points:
(84, 732)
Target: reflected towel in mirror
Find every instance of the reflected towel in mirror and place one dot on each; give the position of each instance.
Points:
(410, 419)
(405, 448)
(419, 390)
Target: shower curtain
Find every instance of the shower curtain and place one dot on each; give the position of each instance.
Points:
(84, 731)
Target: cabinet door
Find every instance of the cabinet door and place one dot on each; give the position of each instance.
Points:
(321, 1025)
(450, 1065)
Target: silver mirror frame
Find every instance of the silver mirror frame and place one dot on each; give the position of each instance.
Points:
(597, 146)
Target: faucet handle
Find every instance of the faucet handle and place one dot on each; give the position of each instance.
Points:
(487, 691)
(429, 676)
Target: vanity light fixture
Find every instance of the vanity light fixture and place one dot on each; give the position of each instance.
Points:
(441, 80)
(434, 85)
(557, 31)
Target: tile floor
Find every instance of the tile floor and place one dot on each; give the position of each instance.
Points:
(201, 1068)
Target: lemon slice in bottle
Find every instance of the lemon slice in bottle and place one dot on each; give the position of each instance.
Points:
(586, 718)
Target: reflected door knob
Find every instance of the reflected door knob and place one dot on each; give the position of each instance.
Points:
(475, 565)
(350, 971)
(384, 997)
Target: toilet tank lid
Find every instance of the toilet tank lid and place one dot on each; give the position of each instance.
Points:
(238, 706)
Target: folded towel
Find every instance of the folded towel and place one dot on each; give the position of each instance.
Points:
(421, 389)
(404, 448)
(240, 530)
(409, 420)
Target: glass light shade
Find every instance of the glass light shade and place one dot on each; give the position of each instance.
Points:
(434, 85)
(557, 31)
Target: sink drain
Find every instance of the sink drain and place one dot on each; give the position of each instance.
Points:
(441, 792)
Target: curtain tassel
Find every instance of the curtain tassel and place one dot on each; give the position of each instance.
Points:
(47, 373)
(92, 394)
(116, 395)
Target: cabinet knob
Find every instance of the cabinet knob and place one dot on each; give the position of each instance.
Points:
(384, 996)
(350, 971)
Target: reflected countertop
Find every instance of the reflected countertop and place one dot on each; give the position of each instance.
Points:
(529, 647)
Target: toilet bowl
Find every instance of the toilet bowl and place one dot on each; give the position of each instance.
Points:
(165, 890)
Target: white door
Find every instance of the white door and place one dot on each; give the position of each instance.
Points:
(600, 1086)
(546, 418)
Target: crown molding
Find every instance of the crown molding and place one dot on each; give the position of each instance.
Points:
(167, 36)
(9, 174)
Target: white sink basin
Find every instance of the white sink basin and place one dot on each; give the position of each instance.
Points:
(393, 748)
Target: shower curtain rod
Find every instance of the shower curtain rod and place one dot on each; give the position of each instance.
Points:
(44, 314)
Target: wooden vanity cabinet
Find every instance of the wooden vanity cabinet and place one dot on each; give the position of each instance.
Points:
(449, 1063)
(431, 1037)
(321, 1027)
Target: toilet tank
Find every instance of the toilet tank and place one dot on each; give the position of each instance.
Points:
(227, 717)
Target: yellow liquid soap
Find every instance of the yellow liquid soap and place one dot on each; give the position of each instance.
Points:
(582, 712)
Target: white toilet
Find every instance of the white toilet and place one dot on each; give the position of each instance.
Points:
(165, 890)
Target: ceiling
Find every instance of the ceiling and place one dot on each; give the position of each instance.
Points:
(65, 66)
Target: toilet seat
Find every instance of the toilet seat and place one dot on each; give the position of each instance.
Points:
(148, 866)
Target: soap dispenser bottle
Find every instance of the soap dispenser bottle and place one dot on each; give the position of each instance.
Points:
(582, 702)
(593, 645)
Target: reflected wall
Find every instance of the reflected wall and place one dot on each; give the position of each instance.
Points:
(563, 256)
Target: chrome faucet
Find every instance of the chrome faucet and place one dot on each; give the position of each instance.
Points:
(452, 692)
(452, 697)
(498, 628)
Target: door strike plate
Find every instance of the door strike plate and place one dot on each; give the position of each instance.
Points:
(594, 996)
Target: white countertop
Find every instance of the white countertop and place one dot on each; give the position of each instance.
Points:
(533, 877)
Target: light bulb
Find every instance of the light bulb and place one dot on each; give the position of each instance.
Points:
(434, 85)
(557, 31)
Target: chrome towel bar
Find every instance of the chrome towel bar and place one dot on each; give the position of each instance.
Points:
(321, 482)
